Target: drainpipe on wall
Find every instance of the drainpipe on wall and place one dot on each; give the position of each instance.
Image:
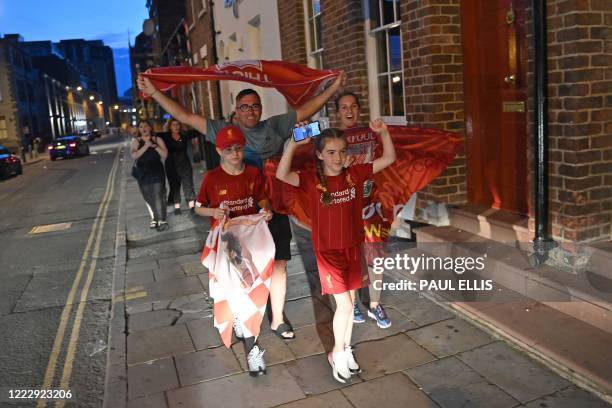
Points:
(542, 242)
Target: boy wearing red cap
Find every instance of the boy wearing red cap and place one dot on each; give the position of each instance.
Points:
(234, 189)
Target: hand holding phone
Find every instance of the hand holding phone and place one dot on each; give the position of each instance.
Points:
(313, 129)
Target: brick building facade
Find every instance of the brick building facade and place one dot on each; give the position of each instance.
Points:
(440, 53)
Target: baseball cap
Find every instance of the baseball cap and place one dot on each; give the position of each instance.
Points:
(229, 136)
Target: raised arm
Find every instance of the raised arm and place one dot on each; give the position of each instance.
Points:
(171, 106)
(313, 105)
(135, 151)
(161, 147)
(283, 172)
(388, 156)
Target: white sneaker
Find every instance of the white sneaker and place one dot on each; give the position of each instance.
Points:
(339, 365)
(255, 361)
(350, 359)
(238, 329)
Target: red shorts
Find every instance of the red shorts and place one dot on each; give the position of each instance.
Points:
(341, 270)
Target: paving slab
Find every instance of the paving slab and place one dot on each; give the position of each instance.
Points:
(193, 268)
(450, 337)
(297, 287)
(206, 365)
(389, 355)
(512, 371)
(391, 391)
(139, 265)
(571, 397)
(188, 317)
(333, 399)
(139, 278)
(277, 351)
(307, 311)
(151, 320)
(151, 378)
(310, 340)
(132, 307)
(158, 343)
(421, 311)
(452, 384)
(170, 289)
(151, 401)
(314, 375)
(368, 330)
(241, 390)
(204, 334)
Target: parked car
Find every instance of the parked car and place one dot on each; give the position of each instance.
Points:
(68, 146)
(9, 164)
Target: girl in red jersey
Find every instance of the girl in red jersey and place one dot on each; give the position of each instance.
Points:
(234, 189)
(337, 227)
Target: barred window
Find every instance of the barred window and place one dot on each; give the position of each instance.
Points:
(385, 28)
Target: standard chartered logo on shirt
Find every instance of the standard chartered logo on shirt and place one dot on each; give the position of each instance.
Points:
(344, 196)
(239, 204)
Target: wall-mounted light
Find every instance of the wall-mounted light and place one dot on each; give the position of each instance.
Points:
(91, 97)
(100, 102)
(79, 88)
(116, 107)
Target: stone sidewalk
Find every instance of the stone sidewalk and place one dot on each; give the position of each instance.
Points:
(165, 351)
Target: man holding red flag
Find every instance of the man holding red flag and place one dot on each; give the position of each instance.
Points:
(264, 140)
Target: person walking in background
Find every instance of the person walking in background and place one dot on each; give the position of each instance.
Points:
(349, 110)
(336, 203)
(178, 166)
(148, 152)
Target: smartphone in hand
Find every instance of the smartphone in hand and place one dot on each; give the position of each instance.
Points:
(313, 129)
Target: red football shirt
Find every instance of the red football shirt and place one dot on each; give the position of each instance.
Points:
(240, 193)
(339, 225)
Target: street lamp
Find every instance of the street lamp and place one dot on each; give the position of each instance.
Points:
(100, 102)
(91, 97)
(116, 107)
(79, 88)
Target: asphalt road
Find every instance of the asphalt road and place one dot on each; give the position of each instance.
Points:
(55, 287)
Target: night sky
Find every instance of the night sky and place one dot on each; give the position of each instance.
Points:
(107, 20)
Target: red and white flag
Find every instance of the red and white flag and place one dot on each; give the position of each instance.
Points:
(239, 255)
(297, 83)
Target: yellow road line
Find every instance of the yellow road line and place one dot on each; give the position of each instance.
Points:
(59, 336)
(76, 327)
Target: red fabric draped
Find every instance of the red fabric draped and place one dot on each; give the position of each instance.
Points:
(296, 82)
(422, 155)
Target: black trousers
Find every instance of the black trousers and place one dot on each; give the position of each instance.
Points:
(181, 175)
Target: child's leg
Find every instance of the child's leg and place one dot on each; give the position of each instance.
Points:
(348, 332)
(342, 317)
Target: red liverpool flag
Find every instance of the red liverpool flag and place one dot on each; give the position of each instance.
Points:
(422, 155)
(296, 82)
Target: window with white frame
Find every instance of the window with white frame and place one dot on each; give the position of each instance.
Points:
(385, 28)
(315, 45)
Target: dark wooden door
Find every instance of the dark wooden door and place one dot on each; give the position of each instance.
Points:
(493, 33)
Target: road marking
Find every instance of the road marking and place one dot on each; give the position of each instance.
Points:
(130, 296)
(59, 337)
(41, 229)
(76, 328)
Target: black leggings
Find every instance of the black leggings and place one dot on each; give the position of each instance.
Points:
(155, 196)
(182, 175)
